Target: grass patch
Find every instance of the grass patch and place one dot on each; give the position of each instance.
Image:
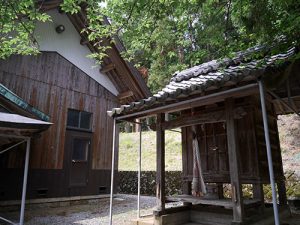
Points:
(128, 151)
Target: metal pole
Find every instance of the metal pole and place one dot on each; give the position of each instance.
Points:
(112, 172)
(139, 174)
(269, 153)
(7, 149)
(25, 181)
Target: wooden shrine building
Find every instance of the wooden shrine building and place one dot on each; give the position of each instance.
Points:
(230, 107)
(71, 158)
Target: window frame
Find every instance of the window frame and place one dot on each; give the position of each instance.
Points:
(79, 121)
(86, 150)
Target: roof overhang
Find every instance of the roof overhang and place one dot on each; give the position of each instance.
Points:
(212, 98)
(212, 82)
(14, 126)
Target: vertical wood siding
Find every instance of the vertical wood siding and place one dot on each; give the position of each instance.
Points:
(52, 84)
(250, 142)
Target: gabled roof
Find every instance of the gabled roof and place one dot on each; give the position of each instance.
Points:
(125, 77)
(15, 103)
(213, 75)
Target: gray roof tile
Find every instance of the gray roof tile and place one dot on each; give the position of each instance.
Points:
(216, 73)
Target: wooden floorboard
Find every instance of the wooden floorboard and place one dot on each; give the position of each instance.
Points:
(227, 203)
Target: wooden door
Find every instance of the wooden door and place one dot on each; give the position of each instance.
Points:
(78, 146)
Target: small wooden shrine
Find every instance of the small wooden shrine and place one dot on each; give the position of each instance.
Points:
(230, 107)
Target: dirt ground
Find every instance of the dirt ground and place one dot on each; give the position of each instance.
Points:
(88, 214)
(97, 213)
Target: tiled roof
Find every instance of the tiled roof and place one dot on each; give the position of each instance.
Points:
(211, 75)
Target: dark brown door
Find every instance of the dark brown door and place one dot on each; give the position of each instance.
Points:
(78, 146)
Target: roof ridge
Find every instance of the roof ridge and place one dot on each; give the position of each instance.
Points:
(214, 65)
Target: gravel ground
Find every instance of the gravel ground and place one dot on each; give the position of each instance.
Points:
(124, 210)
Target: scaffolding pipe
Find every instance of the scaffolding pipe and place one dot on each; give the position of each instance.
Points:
(139, 174)
(112, 172)
(25, 181)
(269, 153)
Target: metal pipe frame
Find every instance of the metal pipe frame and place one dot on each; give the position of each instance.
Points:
(25, 181)
(24, 187)
(7, 149)
(7, 221)
(139, 175)
(269, 153)
(112, 173)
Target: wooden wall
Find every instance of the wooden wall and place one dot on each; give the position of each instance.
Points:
(52, 84)
(250, 141)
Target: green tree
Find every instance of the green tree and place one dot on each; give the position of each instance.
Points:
(17, 23)
(163, 35)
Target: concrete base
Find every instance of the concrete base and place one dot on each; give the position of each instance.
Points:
(212, 217)
(50, 202)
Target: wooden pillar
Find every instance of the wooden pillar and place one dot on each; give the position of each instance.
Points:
(258, 193)
(160, 162)
(234, 160)
(282, 192)
(220, 191)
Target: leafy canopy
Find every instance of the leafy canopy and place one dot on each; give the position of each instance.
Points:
(163, 36)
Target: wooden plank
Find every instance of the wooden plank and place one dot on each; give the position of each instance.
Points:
(160, 162)
(234, 167)
(202, 118)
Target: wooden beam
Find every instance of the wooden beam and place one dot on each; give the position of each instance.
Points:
(125, 94)
(107, 68)
(201, 118)
(160, 163)
(234, 167)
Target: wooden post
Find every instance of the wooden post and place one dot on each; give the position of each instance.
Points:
(282, 193)
(233, 153)
(220, 191)
(160, 162)
(258, 193)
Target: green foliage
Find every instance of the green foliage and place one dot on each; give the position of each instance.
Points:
(161, 35)
(128, 151)
(17, 23)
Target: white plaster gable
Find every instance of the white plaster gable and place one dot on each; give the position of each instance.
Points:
(68, 45)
